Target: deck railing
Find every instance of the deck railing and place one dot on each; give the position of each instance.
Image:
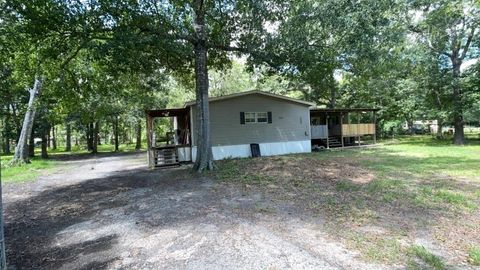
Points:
(357, 129)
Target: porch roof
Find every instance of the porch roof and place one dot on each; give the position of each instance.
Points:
(335, 110)
(167, 112)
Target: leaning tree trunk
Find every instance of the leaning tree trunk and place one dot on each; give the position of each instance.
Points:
(204, 160)
(21, 152)
(68, 147)
(458, 123)
(138, 144)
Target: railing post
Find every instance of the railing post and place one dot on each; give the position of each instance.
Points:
(328, 135)
(341, 128)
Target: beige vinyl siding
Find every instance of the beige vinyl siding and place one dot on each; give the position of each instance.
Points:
(290, 121)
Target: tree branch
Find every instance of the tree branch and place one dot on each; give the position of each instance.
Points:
(467, 45)
(244, 51)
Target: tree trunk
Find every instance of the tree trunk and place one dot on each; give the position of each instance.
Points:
(410, 126)
(16, 120)
(45, 132)
(68, 146)
(49, 139)
(95, 138)
(439, 129)
(204, 160)
(115, 132)
(54, 138)
(333, 98)
(31, 145)
(458, 123)
(7, 131)
(21, 153)
(90, 136)
(138, 145)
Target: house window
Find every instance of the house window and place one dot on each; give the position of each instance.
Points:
(250, 117)
(256, 117)
(262, 117)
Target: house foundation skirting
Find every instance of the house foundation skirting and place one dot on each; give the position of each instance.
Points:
(266, 149)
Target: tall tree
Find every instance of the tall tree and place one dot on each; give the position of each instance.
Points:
(195, 35)
(450, 29)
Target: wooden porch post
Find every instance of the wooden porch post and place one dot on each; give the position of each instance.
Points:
(149, 142)
(326, 124)
(341, 128)
(374, 127)
(358, 126)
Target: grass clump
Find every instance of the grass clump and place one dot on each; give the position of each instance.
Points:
(346, 185)
(427, 257)
(384, 249)
(474, 255)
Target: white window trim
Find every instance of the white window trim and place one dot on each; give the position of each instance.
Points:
(256, 118)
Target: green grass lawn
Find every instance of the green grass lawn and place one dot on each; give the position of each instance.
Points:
(27, 172)
(401, 187)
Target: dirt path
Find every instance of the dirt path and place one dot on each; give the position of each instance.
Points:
(111, 212)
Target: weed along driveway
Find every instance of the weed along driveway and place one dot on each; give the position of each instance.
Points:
(354, 209)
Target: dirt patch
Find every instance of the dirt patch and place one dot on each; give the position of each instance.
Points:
(334, 170)
(120, 215)
(291, 212)
(378, 216)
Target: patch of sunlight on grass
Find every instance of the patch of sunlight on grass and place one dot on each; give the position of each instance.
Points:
(26, 172)
(428, 196)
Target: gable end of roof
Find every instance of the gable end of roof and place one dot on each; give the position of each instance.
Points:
(254, 92)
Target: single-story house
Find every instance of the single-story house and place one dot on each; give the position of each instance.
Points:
(273, 124)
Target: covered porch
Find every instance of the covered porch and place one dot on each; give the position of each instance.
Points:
(168, 137)
(342, 127)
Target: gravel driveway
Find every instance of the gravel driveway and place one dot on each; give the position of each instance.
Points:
(111, 212)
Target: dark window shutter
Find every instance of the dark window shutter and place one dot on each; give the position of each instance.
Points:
(269, 117)
(242, 118)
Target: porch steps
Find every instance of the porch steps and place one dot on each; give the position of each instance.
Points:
(333, 141)
(166, 157)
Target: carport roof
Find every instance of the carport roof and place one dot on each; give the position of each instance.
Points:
(167, 112)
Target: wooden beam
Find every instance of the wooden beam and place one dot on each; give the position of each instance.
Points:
(326, 124)
(150, 150)
(358, 125)
(341, 128)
